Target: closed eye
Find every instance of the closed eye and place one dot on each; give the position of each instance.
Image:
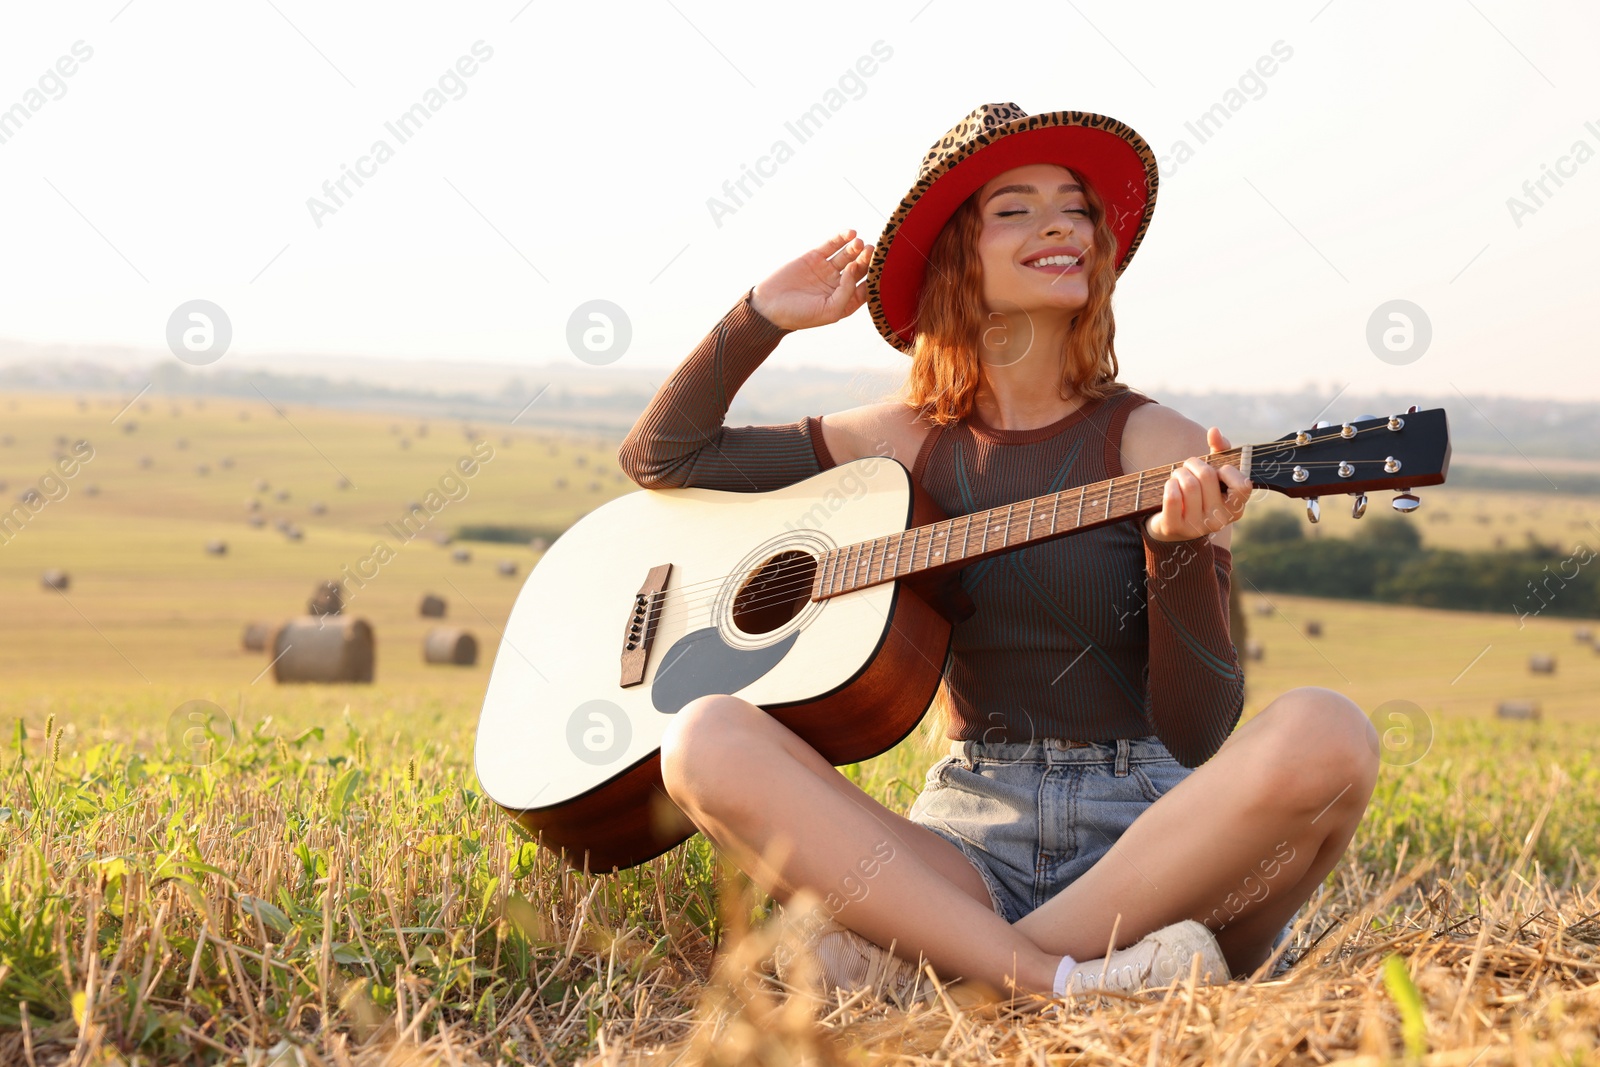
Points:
(1018, 211)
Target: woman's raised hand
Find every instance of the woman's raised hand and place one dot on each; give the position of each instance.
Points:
(822, 286)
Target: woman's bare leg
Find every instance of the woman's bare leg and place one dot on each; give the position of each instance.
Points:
(1239, 845)
(789, 819)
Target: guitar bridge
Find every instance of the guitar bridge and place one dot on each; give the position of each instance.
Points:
(639, 633)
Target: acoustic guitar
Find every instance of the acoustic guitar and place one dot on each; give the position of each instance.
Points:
(828, 603)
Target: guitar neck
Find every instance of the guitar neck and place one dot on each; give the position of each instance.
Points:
(968, 538)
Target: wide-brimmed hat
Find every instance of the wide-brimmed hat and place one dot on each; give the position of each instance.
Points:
(994, 138)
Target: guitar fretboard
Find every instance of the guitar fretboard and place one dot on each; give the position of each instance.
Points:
(968, 538)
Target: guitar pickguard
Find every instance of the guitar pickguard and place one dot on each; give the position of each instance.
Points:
(701, 663)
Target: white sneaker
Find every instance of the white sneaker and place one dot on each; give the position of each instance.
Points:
(851, 962)
(1161, 958)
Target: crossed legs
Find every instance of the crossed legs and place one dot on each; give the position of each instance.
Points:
(1239, 845)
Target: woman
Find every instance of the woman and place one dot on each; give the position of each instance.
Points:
(1096, 792)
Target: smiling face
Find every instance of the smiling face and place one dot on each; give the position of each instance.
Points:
(1029, 213)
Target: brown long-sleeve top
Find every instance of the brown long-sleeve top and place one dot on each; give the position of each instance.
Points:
(1062, 643)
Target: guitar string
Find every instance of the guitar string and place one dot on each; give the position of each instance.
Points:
(770, 593)
(809, 560)
(1234, 453)
(1266, 449)
(782, 586)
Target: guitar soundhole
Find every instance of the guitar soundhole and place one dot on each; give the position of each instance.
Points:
(775, 593)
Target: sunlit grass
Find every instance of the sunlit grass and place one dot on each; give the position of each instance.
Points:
(328, 887)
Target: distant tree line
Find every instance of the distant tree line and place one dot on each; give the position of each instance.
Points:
(1385, 560)
(506, 534)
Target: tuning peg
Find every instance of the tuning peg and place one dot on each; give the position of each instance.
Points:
(1359, 508)
(1405, 501)
(1313, 509)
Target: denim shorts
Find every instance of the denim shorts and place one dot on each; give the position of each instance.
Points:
(1033, 816)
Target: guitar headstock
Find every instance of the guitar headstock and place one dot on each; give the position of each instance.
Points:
(1363, 455)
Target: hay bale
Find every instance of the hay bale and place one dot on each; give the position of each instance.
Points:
(182, 443)
(202, 468)
(450, 645)
(341, 482)
(1526, 710)
(55, 578)
(282, 494)
(1253, 650)
(318, 508)
(257, 520)
(261, 485)
(405, 442)
(1541, 663)
(1583, 635)
(538, 544)
(326, 599)
(145, 462)
(432, 607)
(323, 648)
(461, 555)
(252, 504)
(255, 636)
(294, 533)
(561, 483)
(215, 547)
(91, 489)
(506, 567)
(1313, 628)
(226, 463)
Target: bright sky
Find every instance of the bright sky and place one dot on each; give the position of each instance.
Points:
(576, 160)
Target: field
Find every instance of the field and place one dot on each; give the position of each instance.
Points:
(1471, 520)
(331, 887)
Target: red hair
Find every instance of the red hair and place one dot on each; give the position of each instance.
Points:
(946, 364)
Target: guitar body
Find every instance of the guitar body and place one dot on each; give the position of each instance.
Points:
(575, 755)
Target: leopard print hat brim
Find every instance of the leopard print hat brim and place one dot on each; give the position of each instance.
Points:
(991, 140)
